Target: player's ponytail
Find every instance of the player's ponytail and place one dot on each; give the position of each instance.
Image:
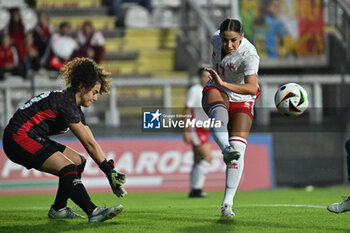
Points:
(231, 25)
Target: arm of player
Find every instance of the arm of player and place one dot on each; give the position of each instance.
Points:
(187, 137)
(249, 87)
(84, 134)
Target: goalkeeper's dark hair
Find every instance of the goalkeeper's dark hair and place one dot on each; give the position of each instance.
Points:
(85, 73)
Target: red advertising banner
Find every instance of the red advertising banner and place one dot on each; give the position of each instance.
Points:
(151, 164)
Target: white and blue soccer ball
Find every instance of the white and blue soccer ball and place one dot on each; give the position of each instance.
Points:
(291, 99)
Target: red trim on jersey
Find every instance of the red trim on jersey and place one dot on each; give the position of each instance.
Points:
(21, 137)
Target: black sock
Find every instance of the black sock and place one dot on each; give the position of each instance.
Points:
(70, 186)
(80, 168)
(61, 197)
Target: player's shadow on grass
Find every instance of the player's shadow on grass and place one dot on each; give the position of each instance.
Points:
(56, 226)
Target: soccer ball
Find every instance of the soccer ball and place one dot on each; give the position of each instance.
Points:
(291, 99)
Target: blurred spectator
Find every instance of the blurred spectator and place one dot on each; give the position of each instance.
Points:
(30, 3)
(31, 60)
(17, 32)
(42, 33)
(62, 47)
(268, 30)
(8, 56)
(119, 13)
(91, 43)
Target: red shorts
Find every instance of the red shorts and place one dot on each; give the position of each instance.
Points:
(236, 107)
(199, 136)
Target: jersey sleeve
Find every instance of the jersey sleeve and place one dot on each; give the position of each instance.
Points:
(215, 41)
(190, 98)
(82, 117)
(215, 38)
(71, 113)
(251, 64)
(67, 109)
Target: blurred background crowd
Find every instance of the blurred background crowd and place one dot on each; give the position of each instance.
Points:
(154, 48)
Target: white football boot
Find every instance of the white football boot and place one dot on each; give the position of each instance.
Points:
(230, 154)
(63, 213)
(340, 207)
(103, 214)
(226, 210)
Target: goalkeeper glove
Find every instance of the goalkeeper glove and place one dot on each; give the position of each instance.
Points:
(116, 179)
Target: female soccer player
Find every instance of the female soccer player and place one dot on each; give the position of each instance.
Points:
(26, 139)
(343, 206)
(229, 97)
(197, 137)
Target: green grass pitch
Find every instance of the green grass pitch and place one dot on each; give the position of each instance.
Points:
(277, 210)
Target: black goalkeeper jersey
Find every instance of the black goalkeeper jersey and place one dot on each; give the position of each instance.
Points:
(47, 114)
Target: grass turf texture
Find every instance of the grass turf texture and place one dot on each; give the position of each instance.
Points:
(175, 212)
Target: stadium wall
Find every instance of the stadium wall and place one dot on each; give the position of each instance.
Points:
(151, 164)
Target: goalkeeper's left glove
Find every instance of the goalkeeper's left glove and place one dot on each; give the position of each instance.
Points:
(116, 179)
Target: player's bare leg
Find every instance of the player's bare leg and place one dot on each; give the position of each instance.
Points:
(239, 127)
(78, 159)
(202, 158)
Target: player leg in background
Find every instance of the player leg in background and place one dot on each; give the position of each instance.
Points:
(347, 148)
(239, 127)
(215, 104)
(344, 205)
(202, 158)
(79, 161)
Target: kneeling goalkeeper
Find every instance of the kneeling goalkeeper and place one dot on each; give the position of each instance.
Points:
(26, 139)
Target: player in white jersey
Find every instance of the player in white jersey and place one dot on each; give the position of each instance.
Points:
(229, 97)
(197, 137)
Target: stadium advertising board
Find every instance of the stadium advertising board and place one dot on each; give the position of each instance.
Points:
(151, 164)
(287, 33)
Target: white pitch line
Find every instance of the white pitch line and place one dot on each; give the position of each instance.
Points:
(249, 205)
(284, 205)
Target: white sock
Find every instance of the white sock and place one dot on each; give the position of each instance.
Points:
(234, 171)
(219, 112)
(197, 175)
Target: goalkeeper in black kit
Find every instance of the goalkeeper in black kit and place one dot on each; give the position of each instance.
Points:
(26, 139)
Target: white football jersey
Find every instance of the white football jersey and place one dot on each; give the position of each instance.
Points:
(232, 68)
(194, 101)
(96, 40)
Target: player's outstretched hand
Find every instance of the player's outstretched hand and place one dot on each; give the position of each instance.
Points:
(116, 180)
(214, 76)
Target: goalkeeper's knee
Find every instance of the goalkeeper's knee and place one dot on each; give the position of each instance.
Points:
(80, 167)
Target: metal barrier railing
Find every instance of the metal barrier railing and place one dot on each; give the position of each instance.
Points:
(12, 86)
(268, 83)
